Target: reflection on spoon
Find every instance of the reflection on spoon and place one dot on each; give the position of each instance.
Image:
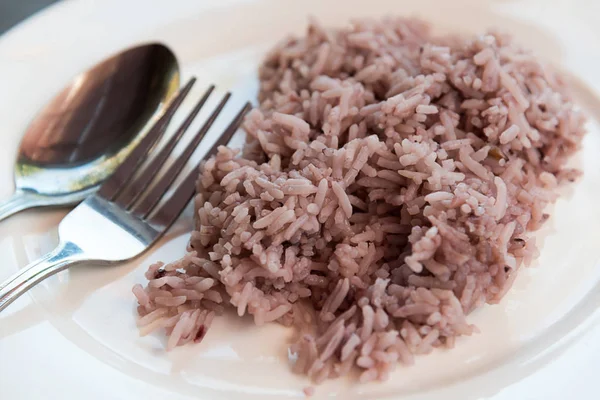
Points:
(80, 137)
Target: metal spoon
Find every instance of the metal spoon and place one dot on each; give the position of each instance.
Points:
(84, 133)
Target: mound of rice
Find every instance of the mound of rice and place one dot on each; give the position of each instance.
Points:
(390, 185)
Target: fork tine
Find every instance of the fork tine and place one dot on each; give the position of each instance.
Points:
(111, 187)
(138, 185)
(168, 212)
(145, 206)
(173, 208)
(229, 131)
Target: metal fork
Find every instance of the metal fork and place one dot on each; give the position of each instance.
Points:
(124, 218)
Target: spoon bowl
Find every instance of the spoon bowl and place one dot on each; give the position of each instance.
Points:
(78, 139)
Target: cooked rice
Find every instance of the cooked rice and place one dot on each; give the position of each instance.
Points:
(390, 185)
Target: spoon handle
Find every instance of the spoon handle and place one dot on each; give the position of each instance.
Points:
(19, 201)
(57, 260)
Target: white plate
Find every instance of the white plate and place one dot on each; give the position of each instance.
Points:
(74, 337)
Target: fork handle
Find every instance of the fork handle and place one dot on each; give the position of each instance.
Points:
(57, 260)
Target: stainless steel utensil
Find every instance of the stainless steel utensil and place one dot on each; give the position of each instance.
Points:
(84, 133)
(126, 216)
